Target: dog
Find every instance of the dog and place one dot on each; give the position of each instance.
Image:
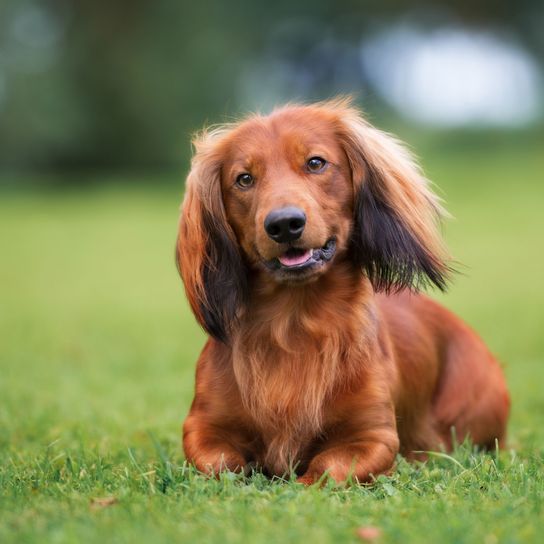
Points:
(304, 239)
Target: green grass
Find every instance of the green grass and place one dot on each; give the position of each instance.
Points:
(97, 353)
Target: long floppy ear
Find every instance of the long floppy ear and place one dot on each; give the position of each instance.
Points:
(207, 253)
(396, 238)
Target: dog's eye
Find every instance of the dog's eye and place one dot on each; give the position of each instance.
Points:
(244, 180)
(316, 164)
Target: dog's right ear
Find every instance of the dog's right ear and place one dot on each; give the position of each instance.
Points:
(207, 253)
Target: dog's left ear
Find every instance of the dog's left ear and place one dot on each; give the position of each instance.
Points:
(396, 238)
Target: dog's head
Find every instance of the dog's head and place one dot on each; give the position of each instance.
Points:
(292, 193)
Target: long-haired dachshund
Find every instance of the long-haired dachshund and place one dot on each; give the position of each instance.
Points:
(303, 240)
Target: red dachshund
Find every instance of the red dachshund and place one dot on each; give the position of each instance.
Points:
(303, 239)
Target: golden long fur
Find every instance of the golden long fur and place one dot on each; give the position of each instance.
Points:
(334, 364)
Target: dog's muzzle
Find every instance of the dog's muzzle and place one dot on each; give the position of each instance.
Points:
(296, 260)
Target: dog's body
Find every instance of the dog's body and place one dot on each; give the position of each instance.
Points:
(291, 224)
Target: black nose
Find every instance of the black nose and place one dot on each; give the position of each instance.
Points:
(285, 224)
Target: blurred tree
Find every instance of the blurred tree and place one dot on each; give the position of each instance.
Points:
(120, 84)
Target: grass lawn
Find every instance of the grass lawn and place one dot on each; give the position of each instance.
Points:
(97, 353)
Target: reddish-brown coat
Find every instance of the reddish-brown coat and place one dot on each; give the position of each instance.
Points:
(324, 375)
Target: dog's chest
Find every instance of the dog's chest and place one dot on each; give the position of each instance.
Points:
(289, 369)
(285, 392)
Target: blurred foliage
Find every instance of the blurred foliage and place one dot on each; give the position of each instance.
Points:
(119, 85)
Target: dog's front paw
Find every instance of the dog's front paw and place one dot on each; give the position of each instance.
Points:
(223, 463)
(306, 480)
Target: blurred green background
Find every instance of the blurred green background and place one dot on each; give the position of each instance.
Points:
(97, 86)
(97, 344)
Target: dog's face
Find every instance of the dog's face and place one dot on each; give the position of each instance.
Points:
(288, 193)
(294, 192)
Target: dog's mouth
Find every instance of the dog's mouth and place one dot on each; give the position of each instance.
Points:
(295, 257)
(296, 261)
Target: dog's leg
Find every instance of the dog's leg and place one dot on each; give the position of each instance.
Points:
(213, 440)
(369, 454)
(208, 449)
(473, 397)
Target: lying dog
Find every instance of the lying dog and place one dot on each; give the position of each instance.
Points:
(303, 240)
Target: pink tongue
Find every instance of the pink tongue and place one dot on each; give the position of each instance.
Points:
(293, 260)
